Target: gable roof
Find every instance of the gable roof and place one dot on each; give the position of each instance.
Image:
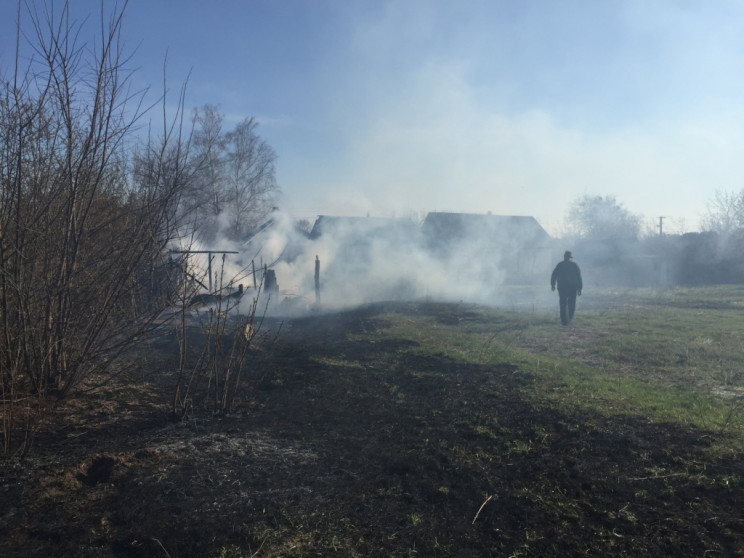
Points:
(326, 224)
(454, 227)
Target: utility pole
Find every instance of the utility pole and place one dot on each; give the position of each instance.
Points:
(661, 225)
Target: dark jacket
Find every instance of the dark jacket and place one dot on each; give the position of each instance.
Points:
(568, 276)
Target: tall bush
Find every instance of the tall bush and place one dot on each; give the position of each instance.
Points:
(78, 232)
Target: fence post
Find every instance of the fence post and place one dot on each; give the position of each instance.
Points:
(317, 280)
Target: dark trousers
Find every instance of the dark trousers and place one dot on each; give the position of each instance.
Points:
(567, 302)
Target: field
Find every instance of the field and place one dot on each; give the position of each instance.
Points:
(415, 429)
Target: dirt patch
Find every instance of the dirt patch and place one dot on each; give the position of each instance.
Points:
(351, 443)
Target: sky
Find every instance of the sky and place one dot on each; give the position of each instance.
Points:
(402, 107)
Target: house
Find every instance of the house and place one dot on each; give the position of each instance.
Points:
(515, 248)
(361, 227)
(359, 242)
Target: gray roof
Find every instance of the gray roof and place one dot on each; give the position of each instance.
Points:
(360, 225)
(451, 227)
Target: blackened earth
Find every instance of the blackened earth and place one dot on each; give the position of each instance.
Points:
(349, 443)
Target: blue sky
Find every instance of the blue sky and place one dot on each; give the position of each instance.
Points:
(399, 107)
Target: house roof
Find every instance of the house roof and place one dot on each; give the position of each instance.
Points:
(359, 225)
(520, 230)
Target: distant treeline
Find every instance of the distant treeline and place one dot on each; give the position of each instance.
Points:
(691, 259)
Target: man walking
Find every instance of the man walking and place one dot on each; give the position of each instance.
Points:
(568, 277)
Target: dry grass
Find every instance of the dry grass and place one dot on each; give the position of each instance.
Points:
(391, 430)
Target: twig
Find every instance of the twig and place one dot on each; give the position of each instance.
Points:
(259, 549)
(161, 546)
(659, 476)
(482, 506)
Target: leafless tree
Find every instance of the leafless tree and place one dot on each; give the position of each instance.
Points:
(304, 225)
(87, 215)
(250, 184)
(725, 212)
(209, 144)
(602, 218)
(77, 237)
(234, 184)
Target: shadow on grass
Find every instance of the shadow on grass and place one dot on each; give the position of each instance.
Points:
(358, 444)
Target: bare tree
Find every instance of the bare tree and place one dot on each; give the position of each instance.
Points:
(251, 184)
(209, 144)
(233, 176)
(599, 217)
(725, 212)
(77, 237)
(304, 225)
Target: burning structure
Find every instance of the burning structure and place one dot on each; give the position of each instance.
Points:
(482, 258)
(352, 260)
(449, 256)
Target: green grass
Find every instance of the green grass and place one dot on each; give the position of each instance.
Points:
(665, 356)
(432, 429)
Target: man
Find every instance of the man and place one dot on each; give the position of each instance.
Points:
(568, 277)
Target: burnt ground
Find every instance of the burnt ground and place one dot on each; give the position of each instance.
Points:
(364, 447)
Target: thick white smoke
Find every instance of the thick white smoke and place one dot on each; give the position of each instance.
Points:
(364, 260)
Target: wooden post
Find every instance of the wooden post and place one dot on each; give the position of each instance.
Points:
(317, 280)
(270, 284)
(253, 264)
(209, 270)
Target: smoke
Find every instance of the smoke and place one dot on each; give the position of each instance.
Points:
(501, 261)
(367, 259)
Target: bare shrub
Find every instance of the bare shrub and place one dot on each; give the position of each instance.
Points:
(217, 349)
(89, 208)
(80, 238)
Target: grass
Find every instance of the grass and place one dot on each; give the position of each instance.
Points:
(665, 356)
(426, 429)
